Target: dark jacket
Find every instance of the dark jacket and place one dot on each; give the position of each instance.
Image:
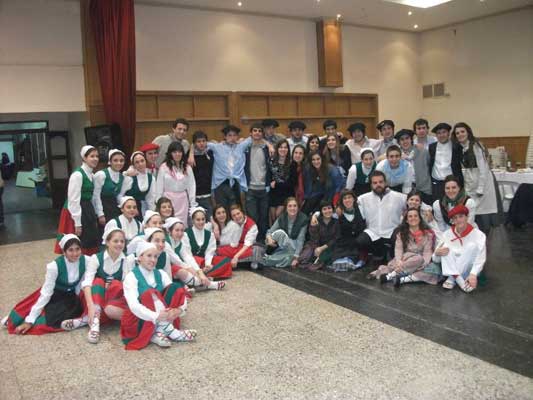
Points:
(457, 154)
(322, 234)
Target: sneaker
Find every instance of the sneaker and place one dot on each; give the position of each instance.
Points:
(183, 335)
(71, 324)
(161, 340)
(359, 264)
(3, 322)
(217, 285)
(465, 287)
(93, 336)
(449, 283)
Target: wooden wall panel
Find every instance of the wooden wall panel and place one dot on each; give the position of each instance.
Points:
(311, 105)
(283, 105)
(329, 51)
(254, 106)
(337, 105)
(361, 106)
(210, 106)
(146, 107)
(171, 106)
(516, 147)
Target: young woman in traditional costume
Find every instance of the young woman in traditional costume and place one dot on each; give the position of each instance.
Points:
(164, 207)
(58, 299)
(78, 215)
(107, 186)
(126, 220)
(140, 186)
(155, 304)
(358, 179)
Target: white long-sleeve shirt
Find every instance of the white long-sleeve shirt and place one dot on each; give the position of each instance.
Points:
(440, 226)
(355, 148)
(74, 193)
(131, 228)
(99, 180)
(142, 181)
(186, 250)
(176, 181)
(408, 179)
(475, 238)
(47, 290)
(382, 214)
(131, 293)
(110, 267)
(232, 232)
(443, 161)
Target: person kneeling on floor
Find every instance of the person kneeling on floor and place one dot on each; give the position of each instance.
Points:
(462, 251)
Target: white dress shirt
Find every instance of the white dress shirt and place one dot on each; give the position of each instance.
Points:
(232, 232)
(440, 226)
(142, 181)
(382, 215)
(74, 193)
(186, 250)
(110, 267)
(99, 180)
(47, 290)
(131, 293)
(293, 143)
(355, 148)
(131, 228)
(443, 161)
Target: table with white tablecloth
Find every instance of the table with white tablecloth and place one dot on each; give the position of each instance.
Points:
(506, 190)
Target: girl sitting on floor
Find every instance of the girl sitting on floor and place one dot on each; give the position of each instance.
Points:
(199, 248)
(78, 215)
(58, 299)
(102, 285)
(219, 221)
(412, 253)
(126, 220)
(285, 238)
(155, 304)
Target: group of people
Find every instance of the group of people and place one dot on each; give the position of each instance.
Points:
(136, 243)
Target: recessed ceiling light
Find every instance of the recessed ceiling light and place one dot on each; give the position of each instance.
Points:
(339, 16)
(419, 3)
(239, 3)
(415, 26)
(410, 13)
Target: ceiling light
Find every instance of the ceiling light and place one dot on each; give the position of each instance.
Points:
(239, 3)
(339, 16)
(419, 3)
(410, 13)
(415, 26)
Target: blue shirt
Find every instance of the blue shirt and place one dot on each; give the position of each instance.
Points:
(229, 163)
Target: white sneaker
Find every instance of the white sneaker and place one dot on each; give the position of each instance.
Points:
(217, 285)
(465, 287)
(93, 336)
(3, 322)
(183, 335)
(160, 339)
(449, 283)
(254, 265)
(71, 324)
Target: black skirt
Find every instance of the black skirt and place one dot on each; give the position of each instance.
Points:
(280, 193)
(109, 205)
(90, 234)
(62, 306)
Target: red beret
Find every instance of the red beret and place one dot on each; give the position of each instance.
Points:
(460, 209)
(149, 146)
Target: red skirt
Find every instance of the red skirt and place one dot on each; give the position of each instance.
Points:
(230, 252)
(22, 309)
(66, 226)
(113, 295)
(136, 333)
(221, 266)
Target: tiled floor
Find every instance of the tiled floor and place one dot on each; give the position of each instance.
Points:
(258, 339)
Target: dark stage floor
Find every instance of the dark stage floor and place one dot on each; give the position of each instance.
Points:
(29, 225)
(495, 323)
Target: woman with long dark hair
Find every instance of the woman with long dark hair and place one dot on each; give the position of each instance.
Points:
(281, 187)
(413, 251)
(321, 182)
(297, 173)
(337, 154)
(480, 183)
(313, 145)
(175, 180)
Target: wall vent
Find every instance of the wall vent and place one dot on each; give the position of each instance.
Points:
(434, 90)
(427, 91)
(438, 90)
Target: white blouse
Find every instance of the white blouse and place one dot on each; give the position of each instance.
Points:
(131, 293)
(110, 267)
(186, 250)
(74, 193)
(232, 232)
(176, 181)
(47, 290)
(131, 228)
(142, 181)
(99, 180)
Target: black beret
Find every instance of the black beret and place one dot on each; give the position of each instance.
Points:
(388, 122)
(329, 122)
(403, 132)
(297, 125)
(441, 125)
(358, 126)
(270, 122)
(230, 128)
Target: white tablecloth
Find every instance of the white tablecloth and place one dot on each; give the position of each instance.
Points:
(507, 192)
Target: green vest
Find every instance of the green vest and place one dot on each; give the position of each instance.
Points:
(143, 286)
(196, 249)
(161, 261)
(87, 187)
(62, 283)
(135, 192)
(102, 274)
(110, 188)
(361, 177)
(177, 249)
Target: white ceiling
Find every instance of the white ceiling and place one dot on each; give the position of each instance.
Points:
(377, 13)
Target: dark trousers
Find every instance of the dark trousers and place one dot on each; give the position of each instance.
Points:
(1, 206)
(257, 209)
(380, 248)
(437, 189)
(207, 204)
(427, 198)
(311, 205)
(227, 195)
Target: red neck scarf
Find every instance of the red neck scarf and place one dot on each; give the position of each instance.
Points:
(469, 228)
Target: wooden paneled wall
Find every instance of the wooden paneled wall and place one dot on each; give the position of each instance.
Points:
(211, 111)
(311, 108)
(329, 51)
(516, 147)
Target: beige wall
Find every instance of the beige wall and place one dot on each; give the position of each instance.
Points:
(40, 56)
(487, 66)
(181, 49)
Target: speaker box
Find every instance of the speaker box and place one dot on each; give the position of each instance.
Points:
(104, 138)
